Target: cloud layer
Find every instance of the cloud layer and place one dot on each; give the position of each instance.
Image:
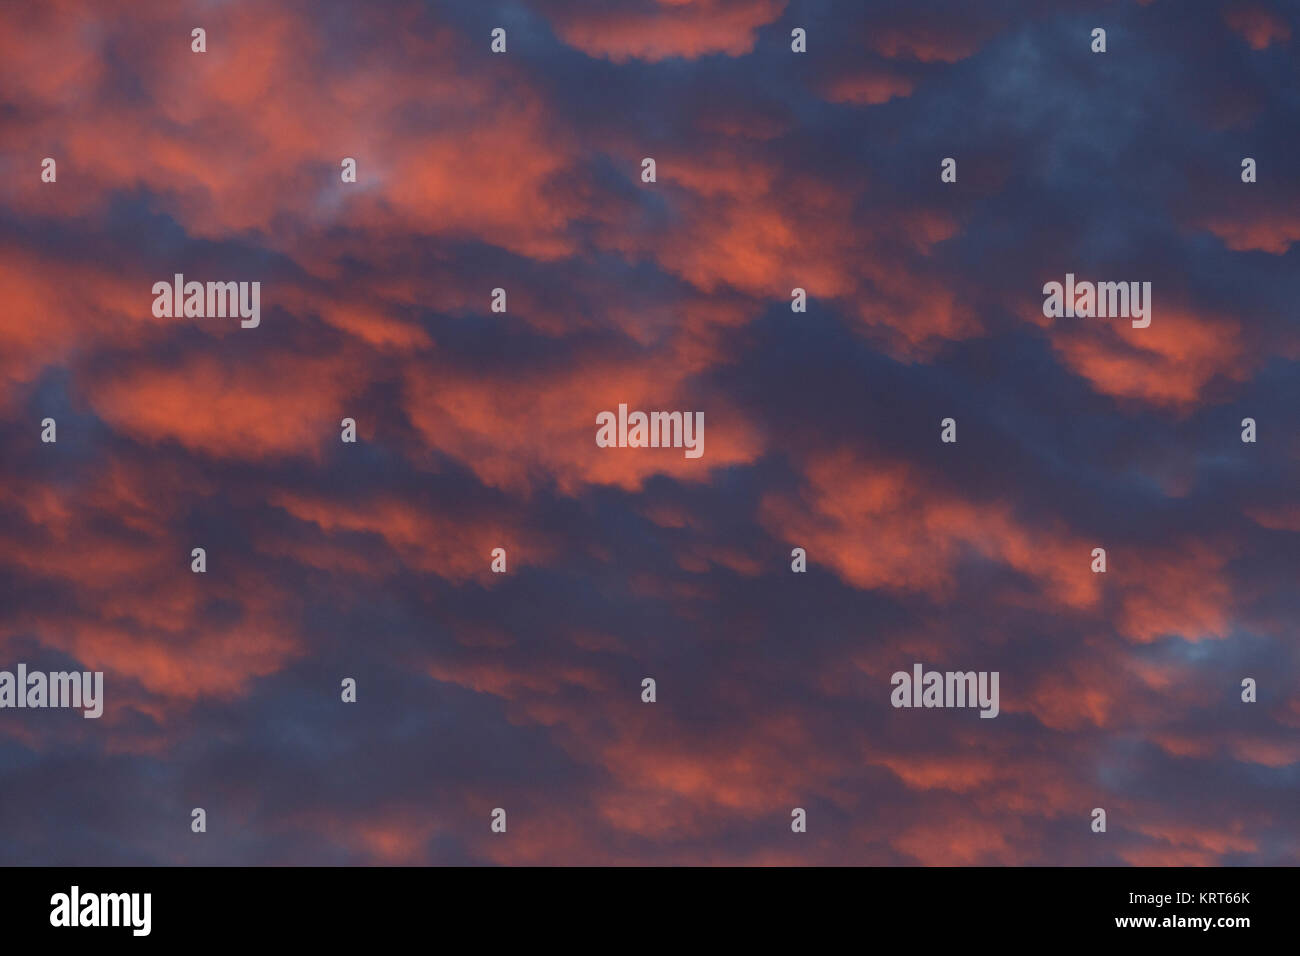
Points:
(775, 170)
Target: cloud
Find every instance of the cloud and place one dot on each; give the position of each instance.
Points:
(1257, 24)
(476, 430)
(657, 30)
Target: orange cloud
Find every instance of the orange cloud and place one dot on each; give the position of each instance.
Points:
(543, 426)
(270, 405)
(1271, 230)
(665, 28)
(887, 525)
(1260, 26)
(945, 38)
(138, 612)
(1169, 364)
(868, 88)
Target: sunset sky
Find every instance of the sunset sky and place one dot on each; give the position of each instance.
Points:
(775, 170)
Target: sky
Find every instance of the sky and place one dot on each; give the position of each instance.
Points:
(774, 170)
